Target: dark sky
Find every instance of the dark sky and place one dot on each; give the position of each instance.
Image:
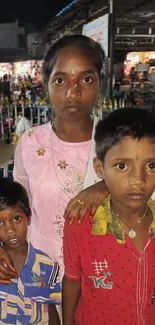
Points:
(31, 10)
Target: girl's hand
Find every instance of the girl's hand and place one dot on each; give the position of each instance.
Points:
(6, 273)
(86, 201)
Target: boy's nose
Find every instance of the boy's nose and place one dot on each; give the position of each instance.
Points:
(9, 229)
(137, 180)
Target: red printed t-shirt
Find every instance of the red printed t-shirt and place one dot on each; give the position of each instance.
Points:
(117, 282)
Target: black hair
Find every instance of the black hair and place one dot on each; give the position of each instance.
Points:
(13, 193)
(84, 43)
(137, 123)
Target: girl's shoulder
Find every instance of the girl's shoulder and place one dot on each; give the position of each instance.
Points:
(38, 135)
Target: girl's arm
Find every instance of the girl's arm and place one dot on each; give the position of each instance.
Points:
(87, 200)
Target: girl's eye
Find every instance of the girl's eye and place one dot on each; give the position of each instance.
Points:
(151, 166)
(59, 81)
(17, 218)
(87, 80)
(122, 166)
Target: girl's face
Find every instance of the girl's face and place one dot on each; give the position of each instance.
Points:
(74, 84)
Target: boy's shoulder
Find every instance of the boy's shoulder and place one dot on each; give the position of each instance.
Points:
(77, 228)
(101, 224)
(37, 259)
(88, 224)
(41, 266)
(102, 218)
(39, 252)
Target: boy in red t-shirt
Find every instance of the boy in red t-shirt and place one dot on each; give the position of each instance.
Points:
(109, 261)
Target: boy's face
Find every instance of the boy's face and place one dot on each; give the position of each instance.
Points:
(13, 227)
(19, 117)
(129, 171)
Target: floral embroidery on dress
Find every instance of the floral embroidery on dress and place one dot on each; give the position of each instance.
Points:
(41, 151)
(76, 182)
(30, 132)
(62, 164)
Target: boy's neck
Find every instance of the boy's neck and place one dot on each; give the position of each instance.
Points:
(18, 256)
(129, 215)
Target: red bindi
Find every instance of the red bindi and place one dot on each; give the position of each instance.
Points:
(74, 81)
(4, 218)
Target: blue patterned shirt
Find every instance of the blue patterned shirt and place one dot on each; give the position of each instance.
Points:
(26, 300)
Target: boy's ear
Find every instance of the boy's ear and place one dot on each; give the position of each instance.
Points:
(29, 220)
(98, 167)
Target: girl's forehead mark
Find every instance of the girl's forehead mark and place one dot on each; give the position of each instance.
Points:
(73, 72)
(74, 82)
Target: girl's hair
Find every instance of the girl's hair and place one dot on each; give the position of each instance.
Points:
(87, 45)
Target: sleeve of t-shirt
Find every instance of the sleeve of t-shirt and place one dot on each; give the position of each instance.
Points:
(71, 252)
(19, 173)
(27, 124)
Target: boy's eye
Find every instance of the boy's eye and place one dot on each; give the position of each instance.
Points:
(59, 81)
(151, 166)
(17, 218)
(121, 166)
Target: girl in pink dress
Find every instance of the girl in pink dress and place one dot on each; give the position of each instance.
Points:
(54, 162)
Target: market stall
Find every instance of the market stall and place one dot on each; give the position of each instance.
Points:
(140, 64)
(139, 77)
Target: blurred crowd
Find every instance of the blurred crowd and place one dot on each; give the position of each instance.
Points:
(26, 90)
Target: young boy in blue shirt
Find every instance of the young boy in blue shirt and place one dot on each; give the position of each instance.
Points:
(31, 298)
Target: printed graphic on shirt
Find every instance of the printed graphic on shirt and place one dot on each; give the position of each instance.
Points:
(36, 281)
(102, 274)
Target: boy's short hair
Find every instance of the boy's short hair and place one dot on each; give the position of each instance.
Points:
(137, 123)
(13, 193)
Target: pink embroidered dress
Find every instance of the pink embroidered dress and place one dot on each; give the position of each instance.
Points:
(52, 171)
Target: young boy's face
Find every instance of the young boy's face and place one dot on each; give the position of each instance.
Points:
(129, 171)
(13, 227)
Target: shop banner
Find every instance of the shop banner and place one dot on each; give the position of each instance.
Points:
(98, 31)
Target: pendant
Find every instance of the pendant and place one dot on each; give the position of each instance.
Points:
(132, 233)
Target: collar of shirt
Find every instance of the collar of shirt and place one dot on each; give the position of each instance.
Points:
(31, 260)
(104, 223)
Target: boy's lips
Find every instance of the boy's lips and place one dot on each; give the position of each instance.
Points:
(13, 240)
(136, 195)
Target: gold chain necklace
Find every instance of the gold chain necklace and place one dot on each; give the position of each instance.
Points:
(132, 232)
